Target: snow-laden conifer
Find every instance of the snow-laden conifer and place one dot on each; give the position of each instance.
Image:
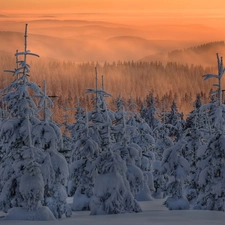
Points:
(150, 111)
(76, 129)
(23, 191)
(176, 122)
(100, 116)
(47, 136)
(196, 118)
(22, 186)
(211, 163)
(163, 141)
(211, 179)
(195, 142)
(22, 129)
(83, 169)
(159, 180)
(177, 168)
(219, 77)
(143, 139)
(111, 193)
(131, 153)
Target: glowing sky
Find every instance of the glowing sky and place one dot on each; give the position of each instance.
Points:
(56, 6)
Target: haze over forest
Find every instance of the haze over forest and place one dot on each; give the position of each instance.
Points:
(114, 41)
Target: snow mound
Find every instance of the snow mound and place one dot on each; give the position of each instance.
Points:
(41, 214)
(177, 203)
(144, 194)
(80, 202)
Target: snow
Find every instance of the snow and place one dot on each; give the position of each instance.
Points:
(112, 196)
(41, 214)
(177, 203)
(154, 213)
(81, 201)
(144, 194)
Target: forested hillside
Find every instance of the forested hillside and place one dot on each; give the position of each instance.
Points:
(203, 54)
(69, 80)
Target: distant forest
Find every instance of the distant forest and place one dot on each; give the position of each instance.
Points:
(171, 80)
(203, 54)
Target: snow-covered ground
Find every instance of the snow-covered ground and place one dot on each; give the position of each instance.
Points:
(153, 213)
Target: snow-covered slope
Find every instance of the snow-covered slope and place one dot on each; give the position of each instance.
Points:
(154, 213)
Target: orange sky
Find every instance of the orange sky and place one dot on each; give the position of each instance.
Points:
(56, 6)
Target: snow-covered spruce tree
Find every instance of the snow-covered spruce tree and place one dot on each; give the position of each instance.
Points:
(159, 180)
(143, 135)
(25, 185)
(13, 130)
(176, 122)
(32, 185)
(215, 111)
(195, 119)
(177, 168)
(137, 136)
(19, 103)
(195, 143)
(218, 76)
(14, 135)
(118, 129)
(100, 115)
(131, 153)
(46, 133)
(100, 119)
(212, 115)
(68, 141)
(111, 194)
(149, 113)
(163, 141)
(76, 129)
(47, 136)
(120, 104)
(18, 166)
(196, 134)
(142, 138)
(83, 169)
(145, 140)
(211, 178)
(120, 117)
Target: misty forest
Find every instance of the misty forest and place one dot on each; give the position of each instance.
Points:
(110, 134)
